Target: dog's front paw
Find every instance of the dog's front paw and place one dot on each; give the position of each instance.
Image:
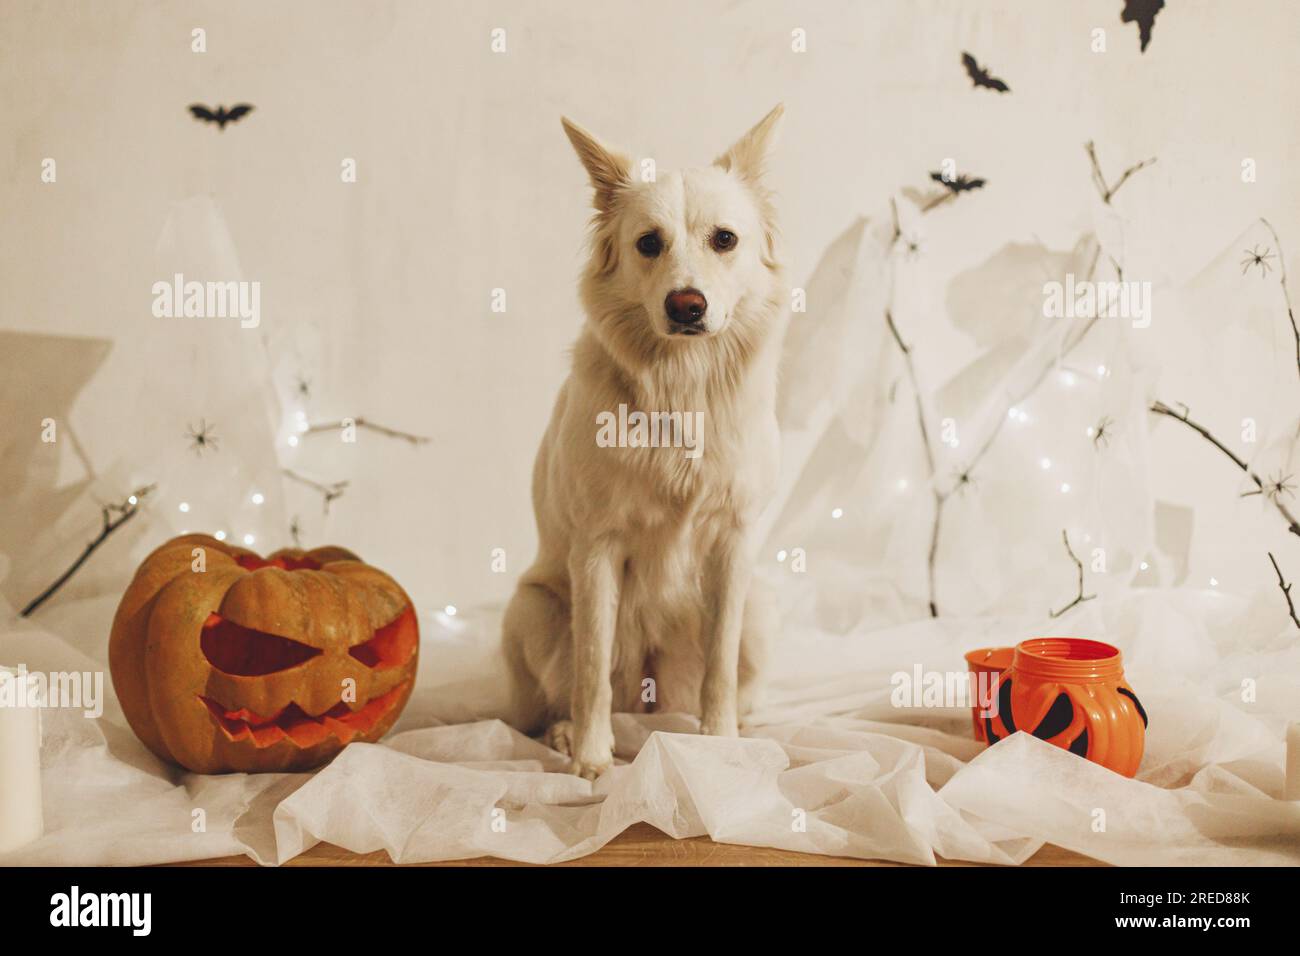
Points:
(590, 770)
(720, 725)
(593, 752)
(591, 759)
(559, 736)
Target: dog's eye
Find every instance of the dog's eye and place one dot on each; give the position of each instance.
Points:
(723, 240)
(650, 245)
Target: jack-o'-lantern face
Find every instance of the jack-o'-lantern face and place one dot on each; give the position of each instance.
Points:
(1096, 716)
(225, 661)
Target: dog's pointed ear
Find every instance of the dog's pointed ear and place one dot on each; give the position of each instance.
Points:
(748, 156)
(610, 170)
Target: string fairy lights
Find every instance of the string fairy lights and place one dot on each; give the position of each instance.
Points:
(1071, 337)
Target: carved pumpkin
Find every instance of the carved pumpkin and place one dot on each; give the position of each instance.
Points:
(1071, 692)
(224, 661)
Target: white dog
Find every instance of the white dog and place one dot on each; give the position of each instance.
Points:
(641, 591)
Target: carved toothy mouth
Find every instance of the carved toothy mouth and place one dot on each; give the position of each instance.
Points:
(295, 724)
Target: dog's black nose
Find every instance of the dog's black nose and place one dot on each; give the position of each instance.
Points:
(686, 306)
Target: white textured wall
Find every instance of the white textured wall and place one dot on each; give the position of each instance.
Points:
(379, 291)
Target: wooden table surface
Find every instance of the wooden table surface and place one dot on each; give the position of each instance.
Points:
(643, 845)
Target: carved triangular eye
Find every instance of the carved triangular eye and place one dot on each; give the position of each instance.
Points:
(245, 652)
(392, 645)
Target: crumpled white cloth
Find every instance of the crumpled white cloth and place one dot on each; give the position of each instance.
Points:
(827, 765)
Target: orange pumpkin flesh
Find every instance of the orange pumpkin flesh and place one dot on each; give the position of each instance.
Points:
(257, 664)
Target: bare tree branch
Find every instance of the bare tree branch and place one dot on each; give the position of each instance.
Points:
(941, 496)
(1072, 341)
(1108, 192)
(113, 516)
(939, 200)
(1286, 293)
(916, 390)
(1160, 408)
(366, 423)
(939, 501)
(328, 492)
(1286, 590)
(929, 454)
(906, 350)
(1081, 597)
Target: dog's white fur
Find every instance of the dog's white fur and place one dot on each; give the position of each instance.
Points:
(645, 554)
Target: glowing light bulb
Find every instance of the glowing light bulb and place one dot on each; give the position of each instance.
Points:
(184, 506)
(249, 539)
(133, 500)
(293, 441)
(837, 513)
(1144, 565)
(1102, 370)
(1214, 582)
(449, 610)
(1065, 488)
(220, 536)
(258, 498)
(1045, 463)
(780, 555)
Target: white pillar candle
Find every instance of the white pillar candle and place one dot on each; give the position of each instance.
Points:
(20, 762)
(1292, 789)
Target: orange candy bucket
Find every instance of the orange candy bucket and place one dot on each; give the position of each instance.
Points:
(986, 666)
(1068, 691)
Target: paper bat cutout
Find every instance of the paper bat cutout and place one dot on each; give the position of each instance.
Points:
(959, 185)
(222, 116)
(980, 76)
(1143, 13)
